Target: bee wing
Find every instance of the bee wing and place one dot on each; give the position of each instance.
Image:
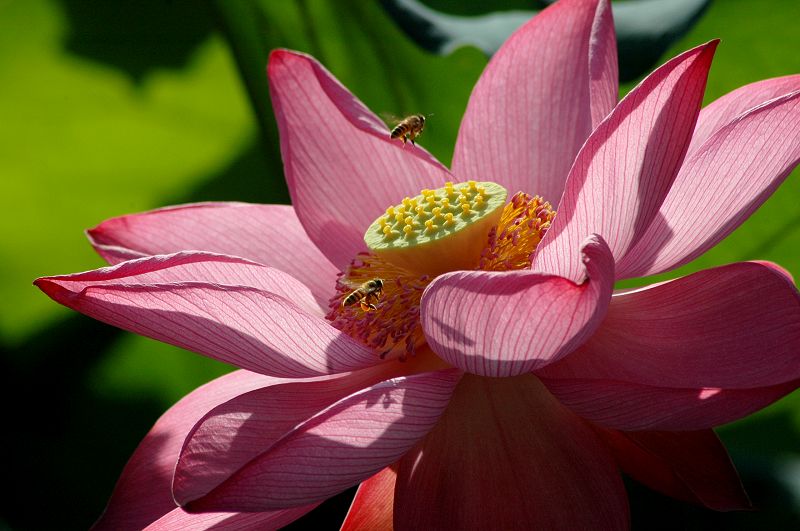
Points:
(390, 119)
(351, 284)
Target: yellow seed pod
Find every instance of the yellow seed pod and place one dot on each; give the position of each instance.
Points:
(455, 242)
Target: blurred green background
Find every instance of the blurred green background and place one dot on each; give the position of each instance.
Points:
(108, 108)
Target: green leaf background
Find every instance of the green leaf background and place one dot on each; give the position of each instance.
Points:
(111, 108)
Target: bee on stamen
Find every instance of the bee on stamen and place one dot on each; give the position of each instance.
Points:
(367, 295)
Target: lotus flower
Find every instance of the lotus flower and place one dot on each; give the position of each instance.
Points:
(500, 382)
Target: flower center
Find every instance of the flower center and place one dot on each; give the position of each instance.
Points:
(457, 227)
(439, 230)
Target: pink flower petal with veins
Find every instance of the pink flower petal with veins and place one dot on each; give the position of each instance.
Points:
(538, 99)
(250, 325)
(189, 266)
(268, 234)
(724, 181)
(344, 444)
(334, 152)
(645, 186)
(266, 521)
(142, 493)
(241, 429)
(724, 110)
(625, 169)
(507, 455)
(684, 354)
(713, 328)
(509, 323)
(633, 406)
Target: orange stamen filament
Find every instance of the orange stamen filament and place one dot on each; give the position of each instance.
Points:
(522, 226)
(393, 329)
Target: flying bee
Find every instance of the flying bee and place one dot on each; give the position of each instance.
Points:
(409, 128)
(367, 294)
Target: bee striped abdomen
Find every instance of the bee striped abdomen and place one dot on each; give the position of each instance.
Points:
(367, 294)
(353, 298)
(409, 128)
(399, 130)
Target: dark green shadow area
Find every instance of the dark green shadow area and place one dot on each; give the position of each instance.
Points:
(137, 37)
(760, 447)
(69, 436)
(328, 515)
(762, 434)
(772, 500)
(68, 443)
(244, 179)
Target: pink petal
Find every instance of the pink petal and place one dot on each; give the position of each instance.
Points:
(265, 521)
(192, 266)
(373, 505)
(142, 494)
(346, 443)
(342, 168)
(535, 102)
(691, 466)
(506, 455)
(632, 406)
(603, 67)
(627, 165)
(241, 429)
(251, 326)
(509, 323)
(731, 327)
(269, 234)
(722, 111)
(720, 186)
